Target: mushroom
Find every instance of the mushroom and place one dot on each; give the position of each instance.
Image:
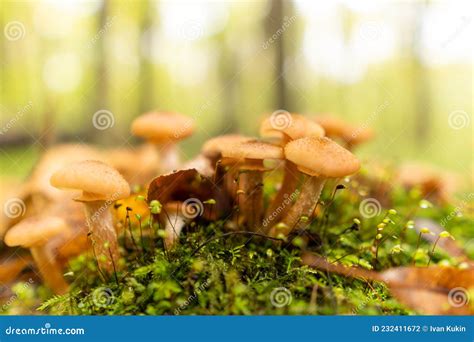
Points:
(224, 176)
(33, 233)
(100, 186)
(352, 136)
(297, 126)
(174, 220)
(247, 157)
(318, 159)
(164, 129)
(432, 183)
(137, 165)
(184, 196)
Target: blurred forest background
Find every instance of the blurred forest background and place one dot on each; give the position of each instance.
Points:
(403, 68)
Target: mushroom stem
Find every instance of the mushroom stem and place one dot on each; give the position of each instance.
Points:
(169, 157)
(288, 186)
(174, 224)
(304, 206)
(102, 234)
(251, 201)
(49, 269)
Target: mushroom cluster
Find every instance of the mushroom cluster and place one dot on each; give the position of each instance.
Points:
(224, 182)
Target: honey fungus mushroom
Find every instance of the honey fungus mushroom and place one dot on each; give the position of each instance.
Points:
(248, 157)
(100, 186)
(164, 129)
(297, 126)
(34, 233)
(336, 128)
(318, 159)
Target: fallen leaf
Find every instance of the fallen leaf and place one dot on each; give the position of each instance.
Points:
(432, 290)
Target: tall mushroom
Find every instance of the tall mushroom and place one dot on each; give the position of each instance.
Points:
(296, 126)
(350, 135)
(247, 157)
(100, 186)
(318, 159)
(164, 129)
(224, 177)
(33, 233)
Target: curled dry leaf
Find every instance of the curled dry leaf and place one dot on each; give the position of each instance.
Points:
(432, 290)
(183, 185)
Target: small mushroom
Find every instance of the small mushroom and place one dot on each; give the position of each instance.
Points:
(164, 130)
(247, 157)
(297, 126)
(319, 159)
(34, 233)
(100, 186)
(137, 165)
(433, 184)
(350, 135)
(224, 176)
(174, 220)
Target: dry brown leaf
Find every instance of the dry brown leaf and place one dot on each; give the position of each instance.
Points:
(432, 290)
(183, 185)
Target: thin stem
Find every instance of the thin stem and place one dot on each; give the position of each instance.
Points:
(432, 250)
(49, 269)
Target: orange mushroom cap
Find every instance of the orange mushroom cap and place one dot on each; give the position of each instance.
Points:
(321, 157)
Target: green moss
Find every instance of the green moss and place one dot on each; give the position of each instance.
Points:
(242, 275)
